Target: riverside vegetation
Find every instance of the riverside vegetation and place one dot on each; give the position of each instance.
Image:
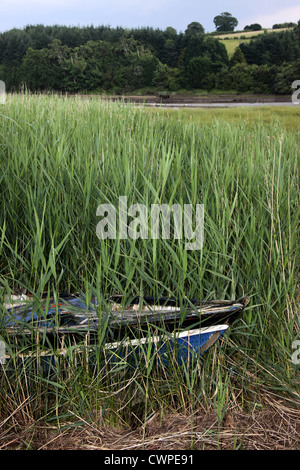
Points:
(118, 60)
(61, 158)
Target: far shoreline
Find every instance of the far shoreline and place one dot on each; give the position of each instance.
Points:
(194, 100)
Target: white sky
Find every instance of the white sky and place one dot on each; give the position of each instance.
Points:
(135, 13)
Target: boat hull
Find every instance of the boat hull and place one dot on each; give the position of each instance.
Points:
(161, 326)
(179, 347)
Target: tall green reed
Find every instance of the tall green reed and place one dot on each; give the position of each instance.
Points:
(63, 157)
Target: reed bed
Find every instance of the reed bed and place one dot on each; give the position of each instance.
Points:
(60, 159)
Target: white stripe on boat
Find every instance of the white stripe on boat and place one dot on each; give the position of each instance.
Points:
(155, 338)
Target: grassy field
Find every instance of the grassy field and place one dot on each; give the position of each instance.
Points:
(232, 41)
(60, 159)
(232, 44)
(250, 34)
(268, 116)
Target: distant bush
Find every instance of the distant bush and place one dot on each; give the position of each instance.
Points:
(253, 27)
(283, 25)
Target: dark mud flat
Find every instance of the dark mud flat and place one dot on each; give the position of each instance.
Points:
(226, 100)
(186, 100)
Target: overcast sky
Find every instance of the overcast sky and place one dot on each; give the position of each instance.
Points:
(136, 13)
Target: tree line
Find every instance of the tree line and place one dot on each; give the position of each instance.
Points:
(78, 59)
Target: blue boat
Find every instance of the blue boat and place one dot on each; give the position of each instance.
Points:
(180, 346)
(161, 325)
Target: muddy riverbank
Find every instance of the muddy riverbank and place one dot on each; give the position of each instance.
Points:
(190, 100)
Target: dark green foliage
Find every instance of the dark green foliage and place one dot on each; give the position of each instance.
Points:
(297, 32)
(98, 64)
(253, 27)
(238, 78)
(74, 59)
(197, 69)
(225, 22)
(283, 25)
(264, 77)
(237, 58)
(197, 46)
(194, 29)
(285, 77)
(272, 48)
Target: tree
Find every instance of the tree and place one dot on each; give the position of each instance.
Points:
(285, 77)
(253, 27)
(170, 33)
(194, 29)
(237, 58)
(161, 75)
(73, 59)
(36, 70)
(297, 31)
(284, 25)
(197, 70)
(225, 22)
(197, 46)
(238, 78)
(170, 53)
(272, 48)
